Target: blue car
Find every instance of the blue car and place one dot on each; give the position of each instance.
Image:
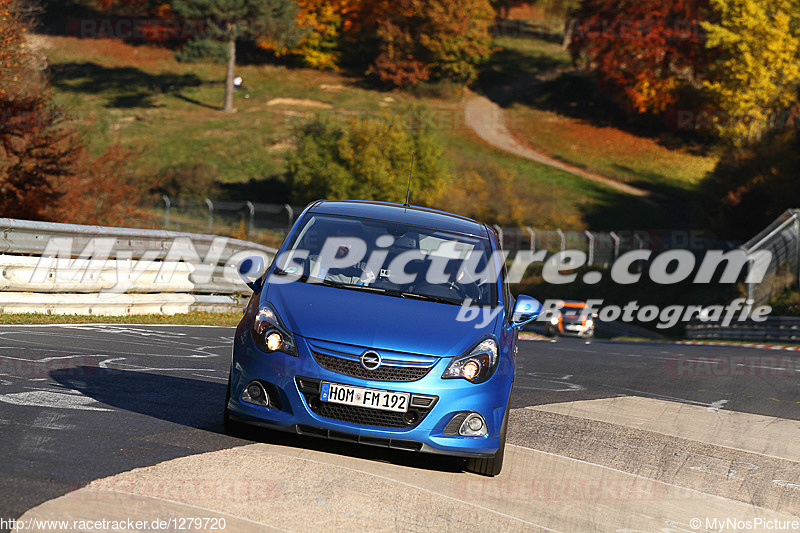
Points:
(382, 324)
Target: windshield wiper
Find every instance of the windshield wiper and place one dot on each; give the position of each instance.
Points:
(380, 290)
(406, 294)
(430, 298)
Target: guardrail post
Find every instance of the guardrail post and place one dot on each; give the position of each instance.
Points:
(252, 209)
(290, 212)
(615, 238)
(167, 204)
(591, 246)
(563, 239)
(533, 238)
(210, 205)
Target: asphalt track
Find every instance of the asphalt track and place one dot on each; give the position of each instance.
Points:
(83, 403)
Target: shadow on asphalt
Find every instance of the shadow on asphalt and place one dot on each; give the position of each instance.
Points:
(198, 404)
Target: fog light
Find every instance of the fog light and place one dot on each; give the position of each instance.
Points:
(274, 341)
(254, 393)
(410, 417)
(473, 426)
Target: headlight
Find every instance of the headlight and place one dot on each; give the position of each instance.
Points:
(269, 333)
(589, 323)
(477, 366)
(554, 320)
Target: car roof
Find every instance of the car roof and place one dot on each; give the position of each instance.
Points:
(420, 216)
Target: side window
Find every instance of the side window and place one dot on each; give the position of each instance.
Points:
(508, 299)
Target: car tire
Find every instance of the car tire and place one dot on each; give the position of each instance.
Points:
(550, 332)
(491, 466)
(231, 426)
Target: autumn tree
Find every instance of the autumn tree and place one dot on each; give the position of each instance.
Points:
(497, 195)
(431, 39)
(323, 24)
(232, 20)
(751, 186)
(100, 190)
(36, 145)
(367, 158)
(756, 81)
(46, 172)
(648, 51)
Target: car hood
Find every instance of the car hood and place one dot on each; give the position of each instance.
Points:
(375, 320)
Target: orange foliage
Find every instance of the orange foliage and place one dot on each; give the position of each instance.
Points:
(101, 190)
(45, 171)
(428, 39)
(647, 51)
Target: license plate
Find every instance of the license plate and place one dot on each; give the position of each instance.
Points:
(361, 397)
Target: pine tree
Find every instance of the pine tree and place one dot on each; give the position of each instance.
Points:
(232, 20)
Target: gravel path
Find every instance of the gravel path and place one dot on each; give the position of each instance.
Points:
(488, 121)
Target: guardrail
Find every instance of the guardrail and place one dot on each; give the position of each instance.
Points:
(73, 269)
(782, 240)
(774, 329)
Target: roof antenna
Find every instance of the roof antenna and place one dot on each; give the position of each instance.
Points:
(411, 173)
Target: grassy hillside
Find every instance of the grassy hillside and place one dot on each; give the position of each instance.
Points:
(567, 117)
(141, 96)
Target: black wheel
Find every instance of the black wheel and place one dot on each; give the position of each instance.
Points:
(491, 466)
(550, 331)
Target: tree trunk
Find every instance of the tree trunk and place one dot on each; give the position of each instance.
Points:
(228, 107)
(569, 30)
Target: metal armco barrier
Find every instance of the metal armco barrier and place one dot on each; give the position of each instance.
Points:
(779, 329)
(782, 239)
(94, 270)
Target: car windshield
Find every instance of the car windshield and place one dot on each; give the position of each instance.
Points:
(392, 258)
(571, 310)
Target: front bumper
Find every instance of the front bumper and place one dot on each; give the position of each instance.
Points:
(577, 329)
(293, 410)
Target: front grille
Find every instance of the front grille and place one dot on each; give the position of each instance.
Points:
(310, 388)
(455, 424)
(385, 372)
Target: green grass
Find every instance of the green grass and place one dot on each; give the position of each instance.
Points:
(562, 200)
(569, 119)
(140, 96)
(623, 156)
(194, 318)
(515, 59)
(143, 97)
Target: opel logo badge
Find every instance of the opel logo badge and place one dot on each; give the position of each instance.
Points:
(370, 360)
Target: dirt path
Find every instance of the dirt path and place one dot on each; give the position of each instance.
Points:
(488, 121)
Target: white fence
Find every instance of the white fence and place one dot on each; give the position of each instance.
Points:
(93, 270)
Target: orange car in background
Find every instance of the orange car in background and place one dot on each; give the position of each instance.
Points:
(570, 319)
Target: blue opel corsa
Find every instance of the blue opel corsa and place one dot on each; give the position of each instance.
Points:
(382, 324)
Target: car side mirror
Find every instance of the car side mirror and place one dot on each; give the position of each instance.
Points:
(250, 270)
(525, 310)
